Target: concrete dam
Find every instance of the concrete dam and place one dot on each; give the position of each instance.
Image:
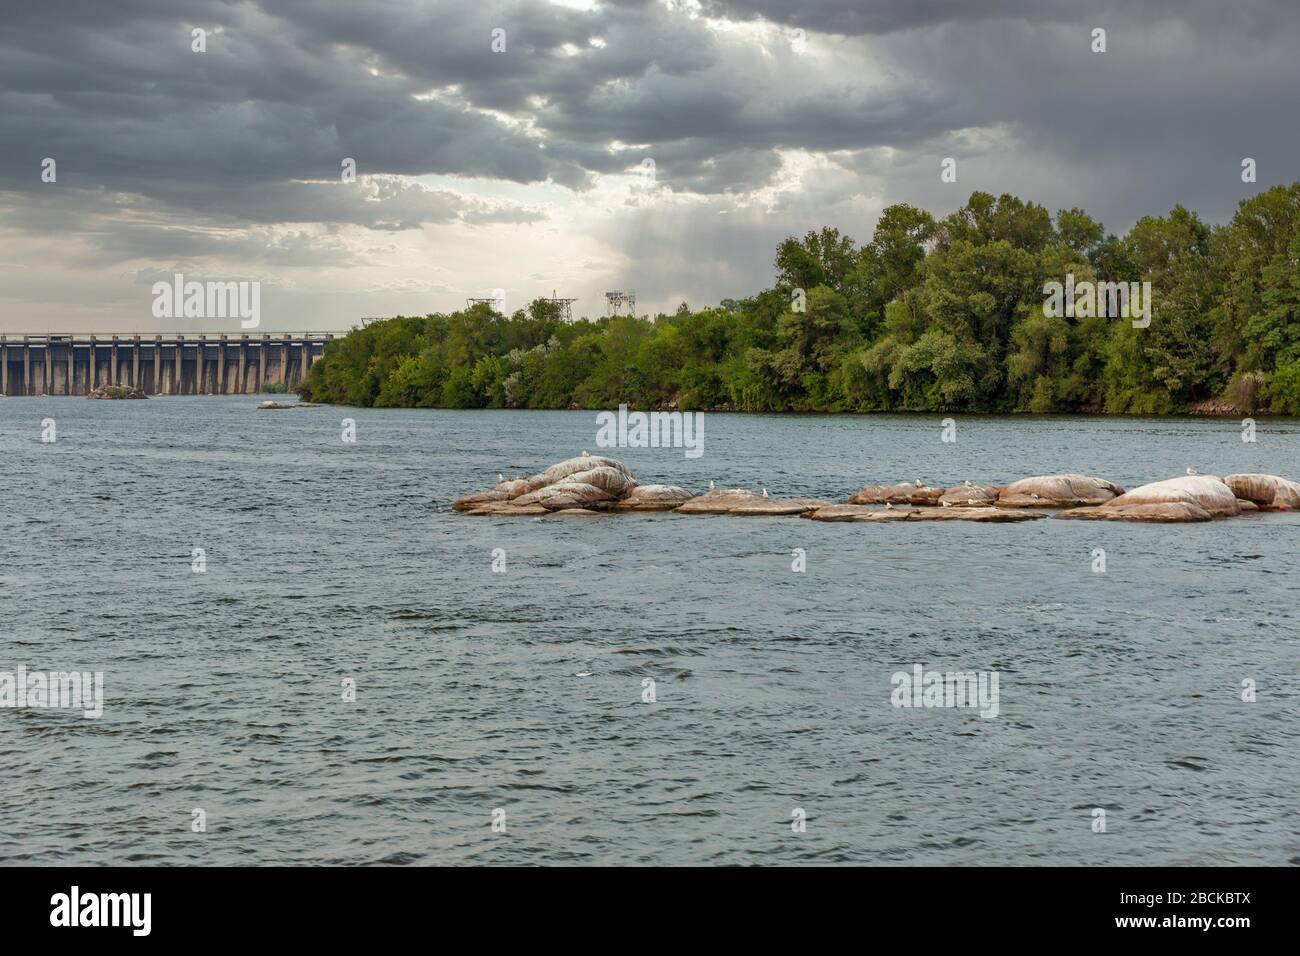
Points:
(166, 363)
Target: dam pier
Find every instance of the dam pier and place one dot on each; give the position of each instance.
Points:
(166, 363)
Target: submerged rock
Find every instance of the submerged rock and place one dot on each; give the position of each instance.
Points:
(273, 405)
(778, 506)
(1057, 491)
(1268, 492)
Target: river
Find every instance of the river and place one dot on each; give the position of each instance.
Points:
(333, 569)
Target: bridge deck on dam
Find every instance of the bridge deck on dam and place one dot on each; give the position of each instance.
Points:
(167, 363)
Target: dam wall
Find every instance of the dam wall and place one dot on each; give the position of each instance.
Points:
(159, 363)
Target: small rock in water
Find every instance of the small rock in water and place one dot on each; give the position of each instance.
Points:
(116, 391)
(271, 404)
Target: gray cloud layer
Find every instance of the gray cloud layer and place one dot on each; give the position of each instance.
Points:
(163, 152)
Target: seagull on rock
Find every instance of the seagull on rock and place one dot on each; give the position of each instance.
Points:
(1192, 471)
(764, 492)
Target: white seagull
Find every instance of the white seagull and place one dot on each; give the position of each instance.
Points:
(710, 484)
(764, 492)
(1192, 471)
(918, 483)
(500, 477)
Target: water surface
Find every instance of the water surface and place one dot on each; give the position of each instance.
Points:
(328, 560)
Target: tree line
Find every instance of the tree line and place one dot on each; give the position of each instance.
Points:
(931, 315)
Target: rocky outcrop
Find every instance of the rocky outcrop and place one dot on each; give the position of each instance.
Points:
(589, 485)
(915, 493)
(275, 405)
(1268, 492)
(1057, 491)
(115, 392)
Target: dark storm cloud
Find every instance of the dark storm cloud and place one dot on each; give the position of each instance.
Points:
(858, 17)
(165, 152)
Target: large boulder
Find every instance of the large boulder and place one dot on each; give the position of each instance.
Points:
(572, 466)
(1204, 491)
(1269, 492)
(617, 481)
(900, 494)
(565, 494)
(1057, 491)
(653, 498)
(587, 480)
(972, 495)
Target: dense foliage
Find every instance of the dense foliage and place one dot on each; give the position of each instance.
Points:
(930, 315)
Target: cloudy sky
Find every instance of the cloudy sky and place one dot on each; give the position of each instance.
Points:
(664, 146)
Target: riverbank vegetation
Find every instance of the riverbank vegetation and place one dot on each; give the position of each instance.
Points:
(930, 315)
